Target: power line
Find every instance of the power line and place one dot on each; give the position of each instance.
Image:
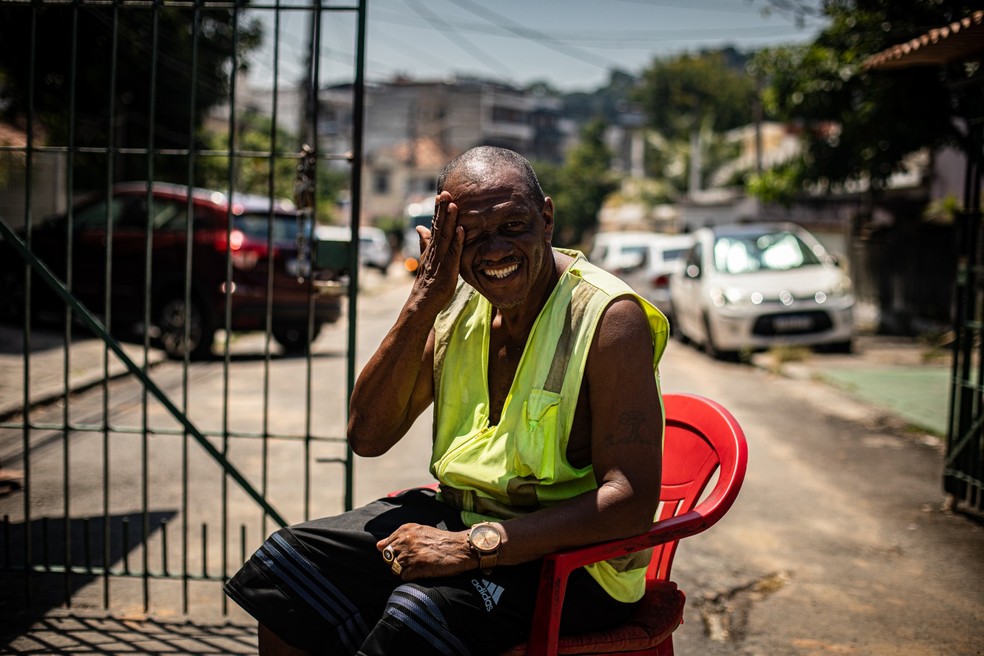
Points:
(613, 37)
(485, 59)
(540, 38)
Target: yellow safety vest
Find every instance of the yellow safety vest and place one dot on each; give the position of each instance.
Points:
(520, 465)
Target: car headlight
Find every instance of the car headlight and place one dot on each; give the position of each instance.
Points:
(734, 296)
(841, 288)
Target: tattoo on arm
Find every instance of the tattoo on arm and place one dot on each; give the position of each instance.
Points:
(631, 431)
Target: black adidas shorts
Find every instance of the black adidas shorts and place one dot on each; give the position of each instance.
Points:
(323, 587)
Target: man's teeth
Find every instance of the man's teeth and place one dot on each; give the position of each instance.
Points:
(501, 273)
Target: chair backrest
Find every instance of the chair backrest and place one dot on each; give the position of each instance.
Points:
(703, 443)
(704, 460)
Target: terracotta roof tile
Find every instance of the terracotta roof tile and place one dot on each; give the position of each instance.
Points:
(942, 45)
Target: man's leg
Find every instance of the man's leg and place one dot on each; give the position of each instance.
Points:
(477, 613)
(321, 586)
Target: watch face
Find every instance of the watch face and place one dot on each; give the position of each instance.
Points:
(484, 537)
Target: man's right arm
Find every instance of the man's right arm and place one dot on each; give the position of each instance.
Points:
(395, 386)
(397, 383)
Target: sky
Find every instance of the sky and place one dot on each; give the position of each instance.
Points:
(571, 44)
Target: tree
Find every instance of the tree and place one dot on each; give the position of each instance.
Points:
(81, 90)
(682, 94)
(689, 101)
(250, 174)
(857, 123)
(605, 103)
(580, 185)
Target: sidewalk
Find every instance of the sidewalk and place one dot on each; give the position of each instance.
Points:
(49, 369)
(900, 375)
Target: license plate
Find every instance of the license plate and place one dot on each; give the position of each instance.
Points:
(792, 323)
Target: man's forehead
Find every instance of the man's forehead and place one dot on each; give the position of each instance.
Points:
(480, 197)
(479, 209)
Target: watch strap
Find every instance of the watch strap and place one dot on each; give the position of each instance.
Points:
(486, 561)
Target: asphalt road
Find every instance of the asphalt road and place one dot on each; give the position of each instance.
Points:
(838, 543)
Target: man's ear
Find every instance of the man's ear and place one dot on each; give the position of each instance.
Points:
(548, 219)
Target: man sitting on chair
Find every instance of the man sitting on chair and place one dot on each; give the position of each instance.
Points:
(548, 430)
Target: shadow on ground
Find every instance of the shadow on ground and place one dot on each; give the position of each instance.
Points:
(77, 633)
(22, 607)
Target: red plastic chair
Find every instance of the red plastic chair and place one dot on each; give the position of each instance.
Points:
(702, 439)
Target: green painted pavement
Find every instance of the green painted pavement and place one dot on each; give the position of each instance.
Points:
(920, 394)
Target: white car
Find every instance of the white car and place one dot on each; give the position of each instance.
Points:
(663, 258)
(645, 260)
(749, 287)
(619, 252)
(374, 247)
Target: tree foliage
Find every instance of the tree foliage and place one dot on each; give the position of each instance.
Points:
(691, 100)
(579, 187)
(606, 103)
(83, 95)
(859, 123)
(681, 94)
(254, 133)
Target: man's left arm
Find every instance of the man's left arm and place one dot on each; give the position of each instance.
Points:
(626, 453)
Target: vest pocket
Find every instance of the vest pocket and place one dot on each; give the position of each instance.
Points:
(536, 444)
(537, 405)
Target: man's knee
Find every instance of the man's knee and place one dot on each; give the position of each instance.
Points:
(415, 620)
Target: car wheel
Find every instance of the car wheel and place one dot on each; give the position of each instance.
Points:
(846, 347)
(171, 319)
(293, 338)
(677, 333)
(683, 336)
(711, 347)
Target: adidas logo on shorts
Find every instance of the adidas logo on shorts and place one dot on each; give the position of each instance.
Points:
(490, 593)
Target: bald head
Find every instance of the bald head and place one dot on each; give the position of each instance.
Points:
(476, 163)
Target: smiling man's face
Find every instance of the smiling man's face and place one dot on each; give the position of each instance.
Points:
(507, 236)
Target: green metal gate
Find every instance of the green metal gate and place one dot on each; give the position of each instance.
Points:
(133, 457)
(963, 473)
(955, 51)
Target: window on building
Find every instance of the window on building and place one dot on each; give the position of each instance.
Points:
(422, 185)
(381, 182)
(502, 114)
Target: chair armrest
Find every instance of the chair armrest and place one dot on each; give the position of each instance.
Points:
(557, 568)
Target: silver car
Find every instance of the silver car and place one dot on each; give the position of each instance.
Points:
(374, 247)
(662, 258)
(749, 287)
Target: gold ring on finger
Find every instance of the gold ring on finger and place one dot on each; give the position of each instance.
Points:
(397, 568)
(389, 555)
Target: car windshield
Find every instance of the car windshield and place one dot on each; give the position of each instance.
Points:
(773, 251)
(254, 225)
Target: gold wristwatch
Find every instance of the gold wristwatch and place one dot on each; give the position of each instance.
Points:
(485, 538)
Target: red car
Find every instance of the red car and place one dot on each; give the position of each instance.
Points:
(262, 239)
